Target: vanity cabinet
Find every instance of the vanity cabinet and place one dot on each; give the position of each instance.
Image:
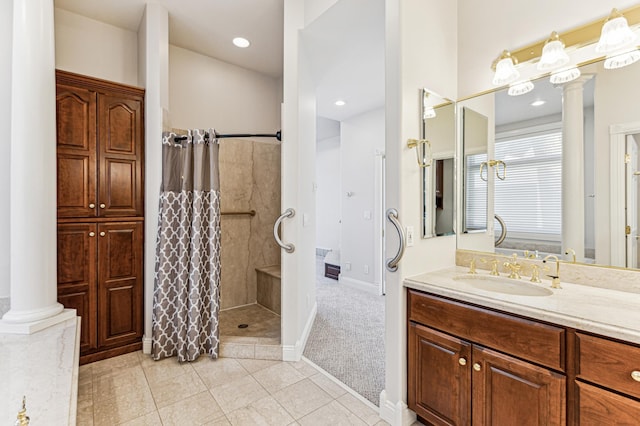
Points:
(470, 365)
(607, 384)
(100, 209)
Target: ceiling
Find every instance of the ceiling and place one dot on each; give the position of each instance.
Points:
(205, 26)
(345, 45)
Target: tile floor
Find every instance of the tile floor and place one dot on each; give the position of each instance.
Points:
(133, 389)
(260, 320)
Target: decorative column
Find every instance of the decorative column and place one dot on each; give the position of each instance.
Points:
(33, 169)
(573, 232)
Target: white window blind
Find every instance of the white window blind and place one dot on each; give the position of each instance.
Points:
(529, 200)
(475, 199)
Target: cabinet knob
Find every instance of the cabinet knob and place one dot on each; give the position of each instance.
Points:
(462, 361)
(92, 234)
(635, 375)
(477, 367)
(102, 206)
(92, 206)
(102, 234)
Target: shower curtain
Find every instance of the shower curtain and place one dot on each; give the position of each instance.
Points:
(187, 275)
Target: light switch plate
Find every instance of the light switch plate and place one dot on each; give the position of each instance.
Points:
(410, 233)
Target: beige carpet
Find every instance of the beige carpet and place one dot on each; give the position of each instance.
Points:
(347, 338)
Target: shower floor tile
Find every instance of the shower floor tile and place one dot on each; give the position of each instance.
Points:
(261, 323)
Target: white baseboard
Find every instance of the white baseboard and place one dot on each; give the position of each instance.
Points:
(396, 414)
(146, 345)
(359, 285)
(294, 352)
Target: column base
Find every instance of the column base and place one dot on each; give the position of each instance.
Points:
(396, 414)
(12, 326)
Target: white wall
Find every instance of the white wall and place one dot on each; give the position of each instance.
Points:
(328, 193)
(488, 27)
(6, 37)
(90, 47)
(360, 138)
(206, 92)
(418, 34)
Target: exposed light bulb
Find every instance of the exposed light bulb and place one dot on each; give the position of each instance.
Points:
(520, 88)
(564, 76)
(622, 60)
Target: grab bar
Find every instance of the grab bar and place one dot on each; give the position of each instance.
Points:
(392, 264)
(503, 230)
(289, 248)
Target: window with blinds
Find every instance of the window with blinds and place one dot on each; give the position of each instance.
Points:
(529, 200)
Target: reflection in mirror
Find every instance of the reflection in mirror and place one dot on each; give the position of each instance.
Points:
(438, 180)
(571, 160)
(475, 184)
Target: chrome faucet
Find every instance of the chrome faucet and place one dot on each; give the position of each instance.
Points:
(555, 279)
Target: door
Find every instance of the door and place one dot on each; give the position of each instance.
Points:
(508, 391)
(440, 386)
(120, 283)
(76, 149)
(77, 277)
(120, 124)
(632, 199)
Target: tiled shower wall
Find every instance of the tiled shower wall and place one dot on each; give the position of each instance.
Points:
(249, 179)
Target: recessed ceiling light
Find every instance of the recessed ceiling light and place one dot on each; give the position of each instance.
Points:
(241, 42)
(340, 103)
(538, 103)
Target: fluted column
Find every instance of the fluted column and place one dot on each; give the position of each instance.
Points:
(573, 232)
(33, 165)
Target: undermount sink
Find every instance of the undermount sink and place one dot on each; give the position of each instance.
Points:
(503, 285)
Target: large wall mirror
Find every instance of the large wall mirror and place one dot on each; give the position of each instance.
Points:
(437, 154)
(559, 166)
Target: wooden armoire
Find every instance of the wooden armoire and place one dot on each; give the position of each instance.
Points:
(100, 173)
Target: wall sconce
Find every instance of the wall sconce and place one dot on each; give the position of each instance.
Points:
(622, 59)
(505, 69)
(520, 88)
(615, 34)
(553, 54)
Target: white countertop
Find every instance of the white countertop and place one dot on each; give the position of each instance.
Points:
(43, 367)
(598, 310)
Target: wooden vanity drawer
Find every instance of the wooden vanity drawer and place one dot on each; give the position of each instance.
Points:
(530, 340)
(598, 407)
(608, 363)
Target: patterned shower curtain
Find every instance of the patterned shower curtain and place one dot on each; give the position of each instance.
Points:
(186, 292)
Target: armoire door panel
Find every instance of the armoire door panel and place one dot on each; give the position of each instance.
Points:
(120, 132)
(77, 284)
(508, 391)
(120, 276)
(76, 151)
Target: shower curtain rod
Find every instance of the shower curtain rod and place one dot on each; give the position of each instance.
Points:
(277, 135)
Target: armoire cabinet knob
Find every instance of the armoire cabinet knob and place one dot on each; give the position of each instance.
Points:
(462, 361)
(92, 206)
(102, 234)
(477, 367)
(92, 234)
(102, 206)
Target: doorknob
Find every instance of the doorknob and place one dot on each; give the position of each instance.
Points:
(102, 234)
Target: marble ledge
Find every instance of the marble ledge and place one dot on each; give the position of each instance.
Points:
(607, 312)
(43, 367)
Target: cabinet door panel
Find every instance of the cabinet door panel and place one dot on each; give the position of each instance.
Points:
(120, 134)
(597, 407)
(120, 278)
(508, 391)
(439, 385)
(77, 277)
(76, 151)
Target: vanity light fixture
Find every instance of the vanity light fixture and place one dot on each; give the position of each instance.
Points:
(505, 69)
(564, 75)
(340, 102)
(553, 54)
(520, 88)
(615, 34)
(622, 59)
(241, 42)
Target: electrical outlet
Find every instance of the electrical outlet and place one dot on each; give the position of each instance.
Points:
(347, 266)
(410, 233)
